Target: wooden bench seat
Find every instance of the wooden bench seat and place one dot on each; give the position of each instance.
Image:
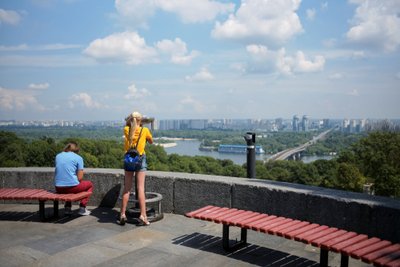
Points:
(41, 195)
(349, 244)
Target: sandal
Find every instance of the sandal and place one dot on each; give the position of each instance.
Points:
(143, 221)
(122, 219)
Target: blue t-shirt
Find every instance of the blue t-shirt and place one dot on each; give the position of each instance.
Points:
(67, 166)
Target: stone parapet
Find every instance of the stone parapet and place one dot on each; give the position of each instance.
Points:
(183, 192)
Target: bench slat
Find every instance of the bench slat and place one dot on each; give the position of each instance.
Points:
(272, 226)
(27, 193)
(193, 213)
(349, 242)
(394, 263)
(256, 224)
(231, 216)
(291, 228)
(277, 229)
(365, 243)
(206, 213)
(371, 248)
(249, 214)
(200, 214)
(303, 236)
(383, 261)
(296, 232)
(317, 242)
(7, 194)
(328, 244)
(368, 258)
(223, 214)
(273, 223)
(307, 238)
(218, 217)
(251, 219)
(267, 222)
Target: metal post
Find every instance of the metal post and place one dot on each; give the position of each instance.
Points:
(251, 154)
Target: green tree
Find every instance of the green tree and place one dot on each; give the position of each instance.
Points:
(378, 158)
(12, 150)
(349, 178)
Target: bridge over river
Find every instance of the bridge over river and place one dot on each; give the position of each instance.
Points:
(285, 154)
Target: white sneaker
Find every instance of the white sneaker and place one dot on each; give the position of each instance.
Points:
(83, 211)
(67, 211)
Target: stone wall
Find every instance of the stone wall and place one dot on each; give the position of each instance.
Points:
(183, 192)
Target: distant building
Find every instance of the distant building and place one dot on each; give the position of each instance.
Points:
(295, 123)
(304, 123)
(325, 123)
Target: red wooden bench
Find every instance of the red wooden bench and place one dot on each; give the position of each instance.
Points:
(41, 195)
(349, 244)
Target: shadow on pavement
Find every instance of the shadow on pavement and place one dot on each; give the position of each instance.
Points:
(252, 254)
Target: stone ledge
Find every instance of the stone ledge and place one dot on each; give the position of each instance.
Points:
(183, 192)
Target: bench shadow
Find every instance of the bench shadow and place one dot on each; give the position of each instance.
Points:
(252, 254)
(33, 216)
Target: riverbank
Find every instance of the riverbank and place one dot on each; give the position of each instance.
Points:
(166, 145)
(190, 147)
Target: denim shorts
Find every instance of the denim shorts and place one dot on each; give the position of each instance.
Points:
(144, 164)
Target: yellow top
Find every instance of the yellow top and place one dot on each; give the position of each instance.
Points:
(145, 136)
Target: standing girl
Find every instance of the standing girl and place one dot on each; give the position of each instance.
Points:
(135, 133)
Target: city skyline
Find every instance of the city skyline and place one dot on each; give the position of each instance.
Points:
(66, 60)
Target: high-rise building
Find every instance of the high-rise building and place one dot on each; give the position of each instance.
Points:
(295, 123)
(304, 123)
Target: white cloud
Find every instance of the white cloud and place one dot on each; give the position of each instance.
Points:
(201, 76)
(376, 24)
(24, 47)
(177, 50)
(126, 46)
(302, 64)
(266, 21)
(195, 11)
(85, 100)
(353, 92)
(134, 93)
(311, 14)
(130, 48)
(137, 12)
(283, 63)
(358, 54)
(9, 17)
(329, 43)
(190, 103)
(336, 76)
(257, 50)
(18, 100)
(39, 86)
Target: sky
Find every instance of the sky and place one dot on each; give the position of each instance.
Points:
(199, 59)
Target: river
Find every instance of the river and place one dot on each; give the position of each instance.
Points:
(191, 148)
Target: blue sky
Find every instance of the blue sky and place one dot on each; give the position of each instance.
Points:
(200, 59)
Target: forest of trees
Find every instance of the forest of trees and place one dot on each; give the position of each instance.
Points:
(373, 158)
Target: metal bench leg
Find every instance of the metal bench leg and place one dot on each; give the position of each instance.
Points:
(344, 261)
(55, 208)
(42, 214)
(323, 258)
(238, 244)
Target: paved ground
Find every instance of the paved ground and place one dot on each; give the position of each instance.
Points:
(175, 240)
